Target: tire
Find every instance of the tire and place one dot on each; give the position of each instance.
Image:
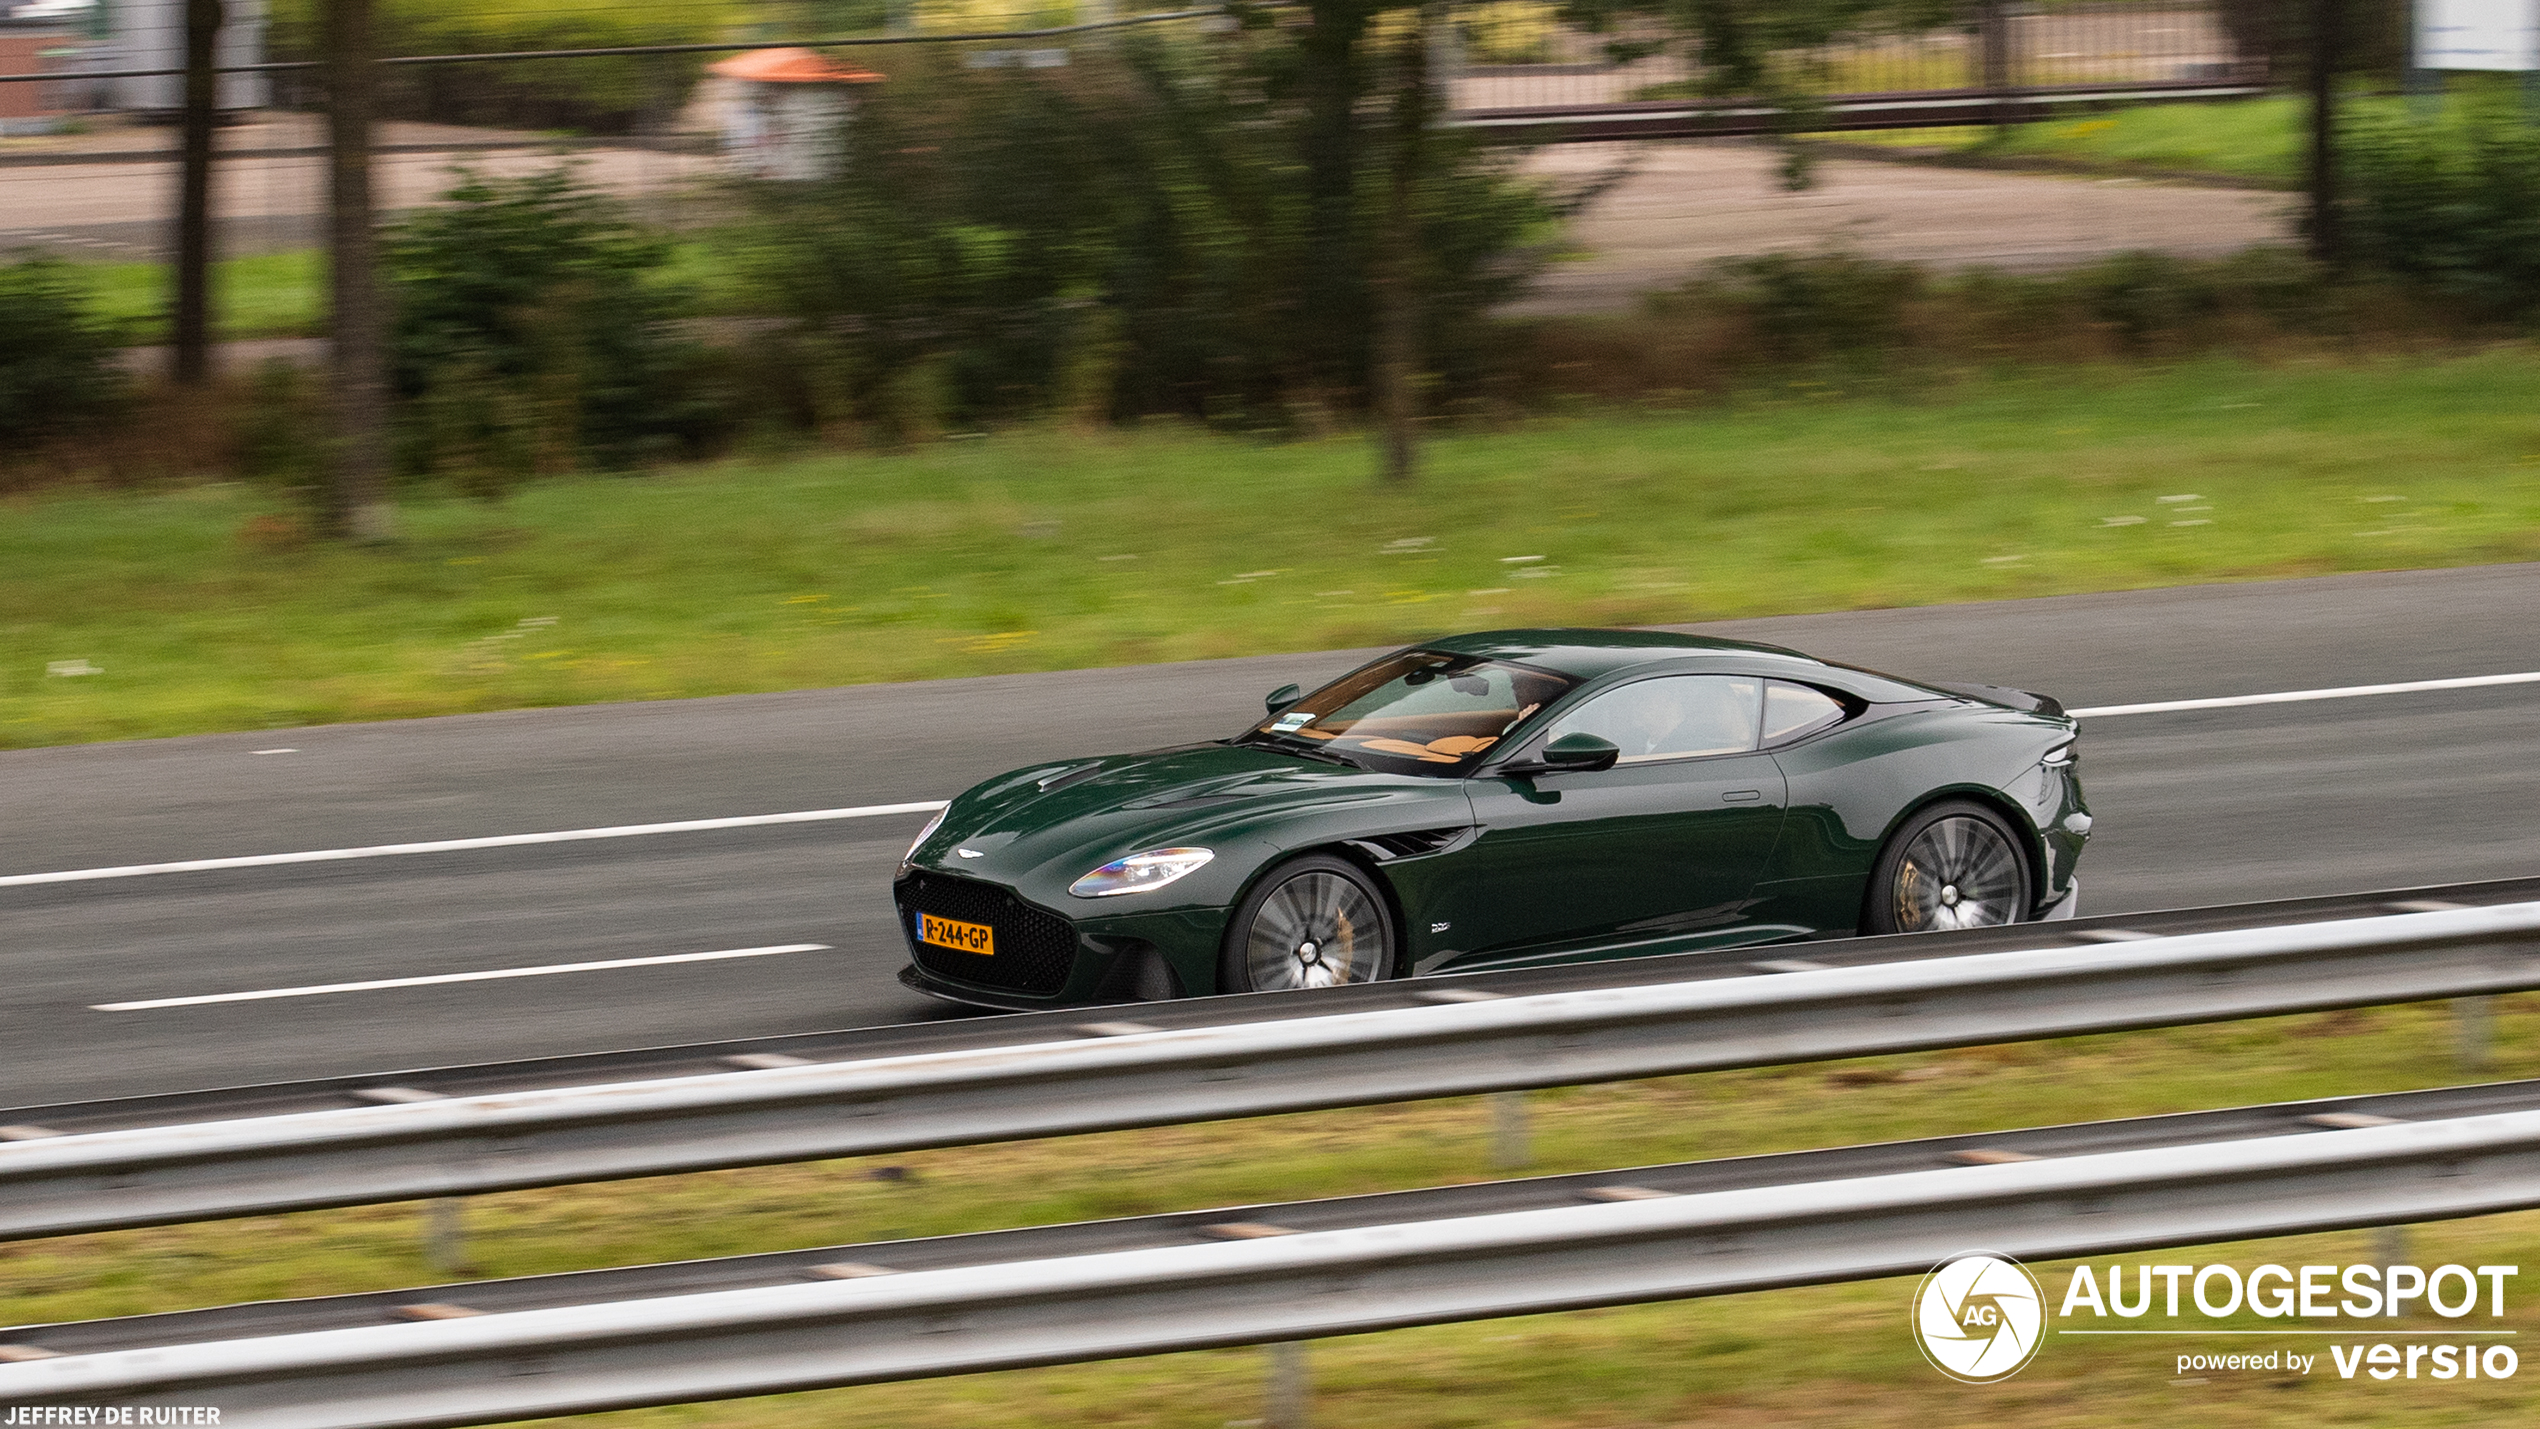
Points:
(1315, 921)
(1954, 865)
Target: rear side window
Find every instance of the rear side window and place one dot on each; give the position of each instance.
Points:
(1793, 710)
(1672, 717)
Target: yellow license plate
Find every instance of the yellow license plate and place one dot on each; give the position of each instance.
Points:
(968, 937)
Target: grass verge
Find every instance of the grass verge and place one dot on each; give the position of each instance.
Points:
(1830, 1356)
(264, 295)
(2260, 140)
(284, 294)
(198, 609)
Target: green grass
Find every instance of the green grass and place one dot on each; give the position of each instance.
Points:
(1044, 549)
(267, 295)
(284, 294)
(2262, 140)
(1832, 1356)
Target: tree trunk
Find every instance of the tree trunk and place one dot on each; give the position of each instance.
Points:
(2327, 61)
(358, 506)
(1335, 281)
(1398, 285)
(192, 353)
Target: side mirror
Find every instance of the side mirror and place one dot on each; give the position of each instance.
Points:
(1582, 752)
(1282, 697)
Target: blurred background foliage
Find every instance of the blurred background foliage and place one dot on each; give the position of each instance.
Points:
(533, 335)
(1129, 234)
(592, 96)
(2453, 203)
(58, 376)
(1147, 231)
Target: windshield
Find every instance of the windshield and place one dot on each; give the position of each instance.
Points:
(1422, 705)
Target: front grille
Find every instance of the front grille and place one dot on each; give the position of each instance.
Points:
(1035, 951)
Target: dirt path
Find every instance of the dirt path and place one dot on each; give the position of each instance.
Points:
(1689, 204)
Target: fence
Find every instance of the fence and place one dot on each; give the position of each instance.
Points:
(623, 83)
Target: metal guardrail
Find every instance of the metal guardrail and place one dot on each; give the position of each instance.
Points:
(1471, 1039)
(947, 1252)
(865, 1324)
(1571, 124)
(954, 1032)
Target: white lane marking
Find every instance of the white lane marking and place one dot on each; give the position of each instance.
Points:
(488, 975)
(330, 855)
(929, 806)
(273, 751)
(2288, 697)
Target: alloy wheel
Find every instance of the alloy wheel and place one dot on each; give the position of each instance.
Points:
(1317, 929)
(1959, 872)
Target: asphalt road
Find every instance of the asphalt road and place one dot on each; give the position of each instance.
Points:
(2202, 807)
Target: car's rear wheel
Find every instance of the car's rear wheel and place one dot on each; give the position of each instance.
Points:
(1315, 921)
(1953, 865)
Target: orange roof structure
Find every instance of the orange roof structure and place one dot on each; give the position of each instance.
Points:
(791, 66)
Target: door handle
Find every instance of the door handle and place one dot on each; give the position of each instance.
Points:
(1741, 796)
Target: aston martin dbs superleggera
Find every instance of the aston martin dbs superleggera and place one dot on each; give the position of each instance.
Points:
(1505, 799)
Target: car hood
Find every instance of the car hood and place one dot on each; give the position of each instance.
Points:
(1074, 815)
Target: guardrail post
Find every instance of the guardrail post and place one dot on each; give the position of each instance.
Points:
(445, 1235)
(1508, 1149)
(1290, 1388)
(2390, 1247)
(2473, 1018)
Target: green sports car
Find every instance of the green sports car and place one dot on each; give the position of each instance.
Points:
(1506, 799)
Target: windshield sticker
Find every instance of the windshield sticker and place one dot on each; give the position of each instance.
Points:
(1294, 720)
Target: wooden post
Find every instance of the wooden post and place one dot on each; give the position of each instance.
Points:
(357, 366)
(1993, 56)
(193, 299)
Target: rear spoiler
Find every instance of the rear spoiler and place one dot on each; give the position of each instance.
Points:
(2008, 698)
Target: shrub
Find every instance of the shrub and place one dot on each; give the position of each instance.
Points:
(600, 95)
(58, 374)
(1125, 235)
(1510, 31)
(533, 334)
(2453, 204)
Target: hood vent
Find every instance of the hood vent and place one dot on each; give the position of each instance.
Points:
(1065, 777)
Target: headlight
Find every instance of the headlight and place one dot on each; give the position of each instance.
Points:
(923, 835)
(1139, 872)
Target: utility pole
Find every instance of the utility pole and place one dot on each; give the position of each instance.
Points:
(357, 358)
(2328, 23)
(194, 194)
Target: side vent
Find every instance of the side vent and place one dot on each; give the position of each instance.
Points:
(1419, 843)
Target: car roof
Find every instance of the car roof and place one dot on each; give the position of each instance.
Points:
(1587, 654)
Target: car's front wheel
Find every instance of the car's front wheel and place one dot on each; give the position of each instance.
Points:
(1315, 921)
(1953, 865)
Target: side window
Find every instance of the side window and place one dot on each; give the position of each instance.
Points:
(1793, 710)
(1672, 717)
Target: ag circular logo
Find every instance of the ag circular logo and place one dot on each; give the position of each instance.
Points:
(1979, 1318)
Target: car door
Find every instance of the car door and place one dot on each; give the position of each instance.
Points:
(1669, 840)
